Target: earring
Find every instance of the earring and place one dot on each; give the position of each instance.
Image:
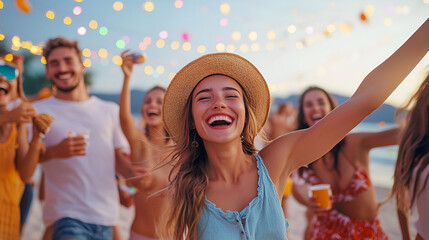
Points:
(242, 138)
(195, 144)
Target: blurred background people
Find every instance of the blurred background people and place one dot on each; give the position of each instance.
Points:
(148, 149)
(18, 157)
(83, 151)
(346, 169)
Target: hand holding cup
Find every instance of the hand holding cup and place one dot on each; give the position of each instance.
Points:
(321, 195)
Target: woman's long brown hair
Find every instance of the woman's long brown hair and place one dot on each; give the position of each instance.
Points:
(413, 148)
(189, 177)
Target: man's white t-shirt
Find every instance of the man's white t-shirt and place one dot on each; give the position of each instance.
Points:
(82, 187)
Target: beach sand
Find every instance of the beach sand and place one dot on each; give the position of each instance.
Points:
(389, 221)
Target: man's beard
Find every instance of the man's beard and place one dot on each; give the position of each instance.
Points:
(65, 90)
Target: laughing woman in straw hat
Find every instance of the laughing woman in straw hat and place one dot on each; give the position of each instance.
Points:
(213, 108)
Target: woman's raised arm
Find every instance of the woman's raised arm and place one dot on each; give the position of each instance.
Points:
(126, 118)
(299, 148)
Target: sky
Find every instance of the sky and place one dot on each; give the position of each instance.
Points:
(294, 43)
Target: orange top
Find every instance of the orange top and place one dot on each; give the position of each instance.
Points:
(11, 187)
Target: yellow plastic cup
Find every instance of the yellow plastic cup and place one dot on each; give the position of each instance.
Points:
(288, 187)
(321, 194)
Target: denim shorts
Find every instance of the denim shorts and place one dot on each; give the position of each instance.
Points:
(25, 203)
(67, 228)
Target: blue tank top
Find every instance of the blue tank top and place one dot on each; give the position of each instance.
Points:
(263, 218)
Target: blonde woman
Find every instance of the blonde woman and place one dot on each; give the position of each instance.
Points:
(147, 149)
(412, 166)
(222, 188)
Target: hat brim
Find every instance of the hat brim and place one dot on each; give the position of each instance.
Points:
(231, 65)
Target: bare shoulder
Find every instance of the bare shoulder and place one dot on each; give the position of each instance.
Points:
(354, 139)
(276, 149)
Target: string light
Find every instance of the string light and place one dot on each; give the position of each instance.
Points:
(93, 24)
(224, 8)
(178, 4)
(148, 6)
(103, 31)
(81, 31)
(118, 6)
(50, 14)
(77, 10)
(67, 20)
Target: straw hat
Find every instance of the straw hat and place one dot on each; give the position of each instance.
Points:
(231, 65)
